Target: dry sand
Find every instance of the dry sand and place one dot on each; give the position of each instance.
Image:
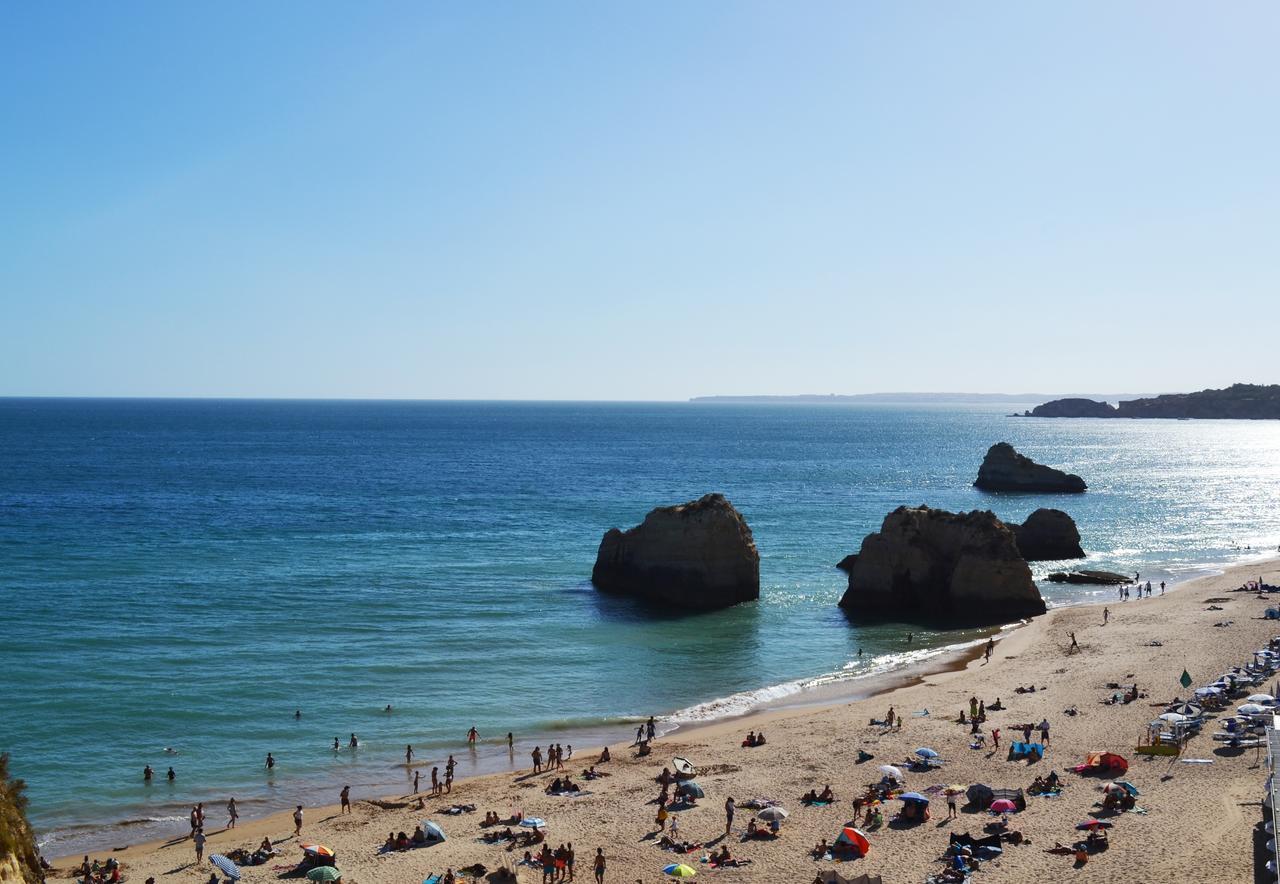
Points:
(1198, 824)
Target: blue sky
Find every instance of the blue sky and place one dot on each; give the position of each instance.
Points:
(636, 201)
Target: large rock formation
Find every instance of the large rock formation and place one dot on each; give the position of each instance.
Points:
(932, 566)
(1241, 401)
(697, 556)
(1048, 535)
(1004, 469)
(19, 860)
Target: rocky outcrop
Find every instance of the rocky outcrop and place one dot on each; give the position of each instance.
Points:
(1004, 469)
(1239, 401)
(1048, 535)
(696, 556)
(19, 860)
(1074, 408)
(949, 569)
(1102, 578)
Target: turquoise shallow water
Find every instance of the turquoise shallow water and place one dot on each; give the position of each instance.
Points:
(187, 573)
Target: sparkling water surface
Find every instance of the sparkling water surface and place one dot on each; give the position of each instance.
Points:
(188, 573)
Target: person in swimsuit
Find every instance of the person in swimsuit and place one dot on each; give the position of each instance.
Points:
(233, 813)
(147, 774)
(599, 865)
(472, 735)
(345, 797)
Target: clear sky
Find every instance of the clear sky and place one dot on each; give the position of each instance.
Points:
(636, 200)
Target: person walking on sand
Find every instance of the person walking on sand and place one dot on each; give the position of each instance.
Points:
(1074, 645)
(599, 865)
(1044, 731)
(995, 738)
(297, 820)
(472, 736)
(951, 805)
(198, 839)
(1161, 587)
(345, 798)
(1106, 615)
(651, 728)
(991, 646)
(639, 736)
(729, 808)
(233, 813)
(417, 774)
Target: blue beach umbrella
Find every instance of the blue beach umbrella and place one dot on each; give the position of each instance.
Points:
(533, 822)
(692, 788)
(432, 830)
(913, 796)
(925, 752)
(226, 866)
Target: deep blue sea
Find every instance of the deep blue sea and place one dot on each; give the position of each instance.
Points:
(186, 574)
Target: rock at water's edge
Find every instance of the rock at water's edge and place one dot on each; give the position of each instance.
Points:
(932, 566)
(1101, 578)
(1004, 469)
(1048, 535)
(695, 556)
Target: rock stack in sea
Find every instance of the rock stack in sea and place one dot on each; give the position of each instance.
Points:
(1004, 469)
(1048, 535)
(696, 556)
(949, 569)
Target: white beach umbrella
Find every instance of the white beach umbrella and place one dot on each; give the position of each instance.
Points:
(1251, 709)
(890, 771)
(1261, 699)
(1173, 717)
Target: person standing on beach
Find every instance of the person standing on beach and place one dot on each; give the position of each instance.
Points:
(599, 865)
(951, 805)
(344, 798)
(890, 718)
(639, 736)
(435, 781)
(1106, 615)
(233, 813)
(195, 821)
(651, 728)
(991, 646)
(416, 775)
(1044, 731)
(536, 755)
(472, 736)
(448, 780)
(995, 738)
(198, 839)
(408, 754)
(1074, 645)
(729, 808)
(1161, 587)
(297, 820)
(449, 766)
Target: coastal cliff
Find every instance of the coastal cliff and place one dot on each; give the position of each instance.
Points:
(1004, 469)
(1048, 535)
(1239, 401)
(932, 566)
(696, 556)
(19, 861)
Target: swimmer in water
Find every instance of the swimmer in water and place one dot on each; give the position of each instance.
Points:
(335, 744)
(297, 714)
(354, 742)
(388, 709)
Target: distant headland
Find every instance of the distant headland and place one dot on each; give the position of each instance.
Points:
(959, 398)
(1239, 401)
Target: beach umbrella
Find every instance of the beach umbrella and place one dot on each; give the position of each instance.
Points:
(1093, 824)
(925, 752)
(679, 870)
(226, 866)
(691, 788)
(1128, 787)
(1003, 805)
(533, 822)
(913, 796)
(1208, 692)
(856, 837)
(1190, 710)
(432, 830)
(317, 849)
(324, 873)
(769, 814)
(1251, 709)
(683, 765)
(1112, 761)
(1173, 717)
(890, 771)
(1262, 699)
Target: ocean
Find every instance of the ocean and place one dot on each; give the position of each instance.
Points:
(188, 573)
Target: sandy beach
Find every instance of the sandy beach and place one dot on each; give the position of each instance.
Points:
(1198, 820)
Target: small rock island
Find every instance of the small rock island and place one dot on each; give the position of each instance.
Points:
(697, 556)
(940, 568)
(1004, 469)
(1048, 535)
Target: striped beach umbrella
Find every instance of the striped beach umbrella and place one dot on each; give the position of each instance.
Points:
(679, 870)
(225, 865)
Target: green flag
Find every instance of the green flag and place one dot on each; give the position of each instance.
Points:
(1185, 681)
